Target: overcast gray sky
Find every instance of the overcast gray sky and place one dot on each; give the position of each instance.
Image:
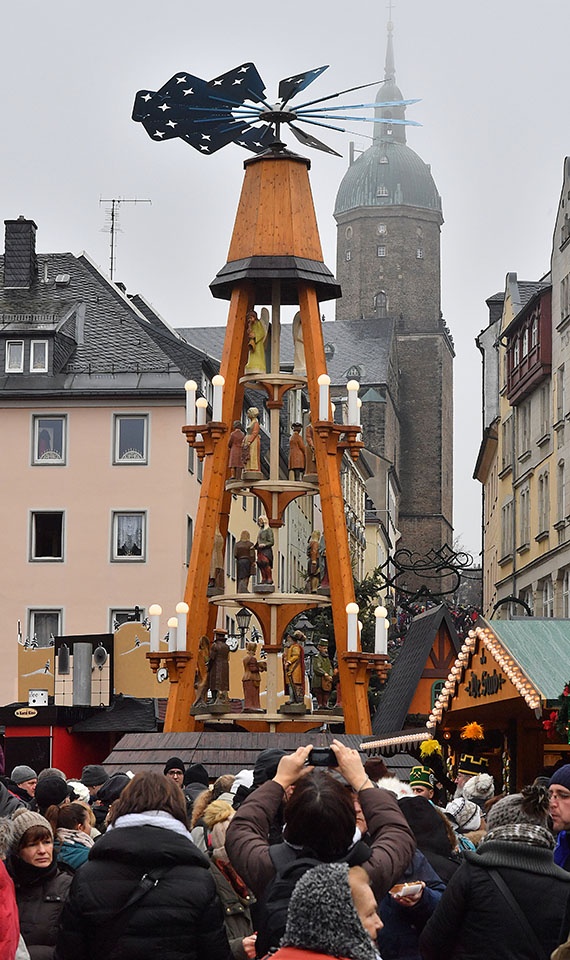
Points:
(492, 78)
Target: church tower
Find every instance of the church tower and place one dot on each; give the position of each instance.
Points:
(389, 217)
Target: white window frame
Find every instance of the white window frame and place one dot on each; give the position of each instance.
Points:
(46, 460)
(8, 367)
(34, 612)
(118, 419)
(381, 250)
(116, 557)
(566, 594)
(548, 598)
(45, 366)
(126, 613)
(46, 559)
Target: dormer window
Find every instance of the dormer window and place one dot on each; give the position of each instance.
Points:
(15, 356)
(384, 159)
(39, 356)
(382, 191)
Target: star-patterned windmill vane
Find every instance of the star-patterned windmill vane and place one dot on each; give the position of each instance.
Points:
(232, 108)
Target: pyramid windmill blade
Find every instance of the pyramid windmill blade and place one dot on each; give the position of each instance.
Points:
(292, 85)
(308, 141)
(241, 83)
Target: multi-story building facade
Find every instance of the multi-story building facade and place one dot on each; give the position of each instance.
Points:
(524, 455)
(100, 489)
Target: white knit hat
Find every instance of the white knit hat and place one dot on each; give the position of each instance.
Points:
(479, 787)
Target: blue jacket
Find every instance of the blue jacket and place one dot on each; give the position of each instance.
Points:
(562, 850)
(399, 939)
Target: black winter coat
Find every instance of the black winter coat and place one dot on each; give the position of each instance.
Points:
(178, 919)
(473, 921)
(40, 896)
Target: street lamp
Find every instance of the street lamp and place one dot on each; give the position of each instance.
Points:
(243, 618)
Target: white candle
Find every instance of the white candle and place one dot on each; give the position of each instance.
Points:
(218, 385)
(353, 387)
(154, 612)
(352, 627)
(172, 630)
(324, 382)
(380, 632)
(201, 407)
(190, 386)
(182, 614)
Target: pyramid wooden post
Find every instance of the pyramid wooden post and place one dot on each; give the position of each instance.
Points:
(275, 246)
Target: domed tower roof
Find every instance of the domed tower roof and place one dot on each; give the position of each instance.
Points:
(389, 173)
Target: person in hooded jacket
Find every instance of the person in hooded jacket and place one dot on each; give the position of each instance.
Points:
(146, 891)
(475, 917)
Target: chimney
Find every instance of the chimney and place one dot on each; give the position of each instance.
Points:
(20, 264)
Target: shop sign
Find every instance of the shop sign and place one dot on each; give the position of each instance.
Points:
(486, 685)
(25, 712)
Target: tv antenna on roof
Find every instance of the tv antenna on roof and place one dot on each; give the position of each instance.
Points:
(232, 108)
(113, 214)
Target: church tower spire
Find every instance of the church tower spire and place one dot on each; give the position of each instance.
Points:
(389, 90)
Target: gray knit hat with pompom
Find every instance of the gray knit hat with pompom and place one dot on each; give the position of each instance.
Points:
(322, 916)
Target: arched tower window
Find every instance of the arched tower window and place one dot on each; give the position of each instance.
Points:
(381, 304)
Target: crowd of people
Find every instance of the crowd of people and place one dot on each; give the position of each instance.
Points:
(312, 854)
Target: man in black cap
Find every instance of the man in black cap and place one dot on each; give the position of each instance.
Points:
(93, 777)
(175, 769)
(559, 809)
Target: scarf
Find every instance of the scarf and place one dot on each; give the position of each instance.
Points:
(151, 818)
(73, 837)
(26, 875)
(533, 834)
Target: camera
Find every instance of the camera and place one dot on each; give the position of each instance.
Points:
(322, 757)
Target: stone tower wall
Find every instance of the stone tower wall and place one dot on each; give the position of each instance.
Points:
(411, 282)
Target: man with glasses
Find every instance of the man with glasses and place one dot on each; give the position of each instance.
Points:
(174, 768)
(559, 793)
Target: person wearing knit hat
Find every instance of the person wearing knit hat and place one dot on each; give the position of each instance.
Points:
(78, 791)
(41, 888)
(510, 884)
(25, 778)
(175, 769)
(51, 791)
(422, 781)
(322, 918)
(94, 776)
(479, 789)
(464, 814)
(559, 807)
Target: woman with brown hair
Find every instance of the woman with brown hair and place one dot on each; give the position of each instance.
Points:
(146, 890)
(72, 830)
(41, 887)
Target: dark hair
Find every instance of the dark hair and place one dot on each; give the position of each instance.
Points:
(69, 816)
(150, 791)
(35, 834)
(320, 816)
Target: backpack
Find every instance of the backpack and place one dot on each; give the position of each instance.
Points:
(271, 913)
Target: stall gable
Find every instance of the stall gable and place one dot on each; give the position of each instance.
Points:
(484, 681)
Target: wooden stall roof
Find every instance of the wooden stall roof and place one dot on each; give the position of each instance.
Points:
(218, 752)
(407, 670)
